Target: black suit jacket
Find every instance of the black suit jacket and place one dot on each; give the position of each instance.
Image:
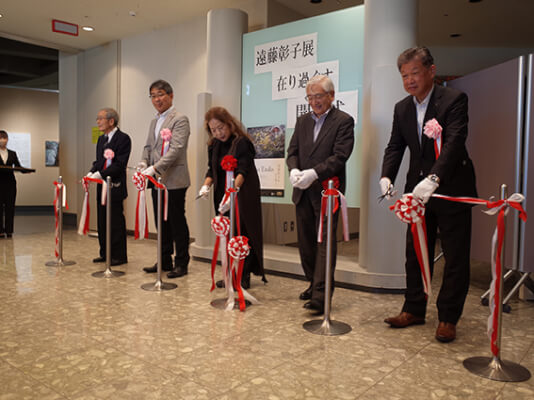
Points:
(121, 145)
(7, 175)
(454, 167)
(328, 154)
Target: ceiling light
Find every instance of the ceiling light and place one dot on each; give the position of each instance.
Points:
(315, 1)
(455, 35)
(88, 28)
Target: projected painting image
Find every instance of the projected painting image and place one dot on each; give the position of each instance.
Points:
(269, 142)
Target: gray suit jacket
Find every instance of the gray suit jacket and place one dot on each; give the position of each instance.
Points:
(172, 167)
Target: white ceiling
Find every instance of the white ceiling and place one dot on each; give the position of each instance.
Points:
(489, 23)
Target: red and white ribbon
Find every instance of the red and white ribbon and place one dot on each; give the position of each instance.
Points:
(59, 187)
(166, 135)
(238, 250)
(412, 215)
(165, 197)
(83, 226)
(433, 130)
(108, 155)
(229, 164)
(141, 222)
(324, 202)
(412, 211)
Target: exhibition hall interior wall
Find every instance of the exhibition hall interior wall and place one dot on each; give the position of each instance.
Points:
(34, 112)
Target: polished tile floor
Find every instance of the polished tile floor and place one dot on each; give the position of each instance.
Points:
(67, 335)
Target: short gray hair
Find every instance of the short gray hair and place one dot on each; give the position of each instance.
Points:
(111, 114)
(422, 53)
(323, 80)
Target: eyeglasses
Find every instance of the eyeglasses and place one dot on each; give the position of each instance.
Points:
(157, 95)
(100, 118)
(311, 97)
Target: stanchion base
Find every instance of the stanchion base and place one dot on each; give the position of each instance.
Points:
(108, 273)
(326, 327)
(59, 263)
(158, 286)
(496, 369)
(221, 304)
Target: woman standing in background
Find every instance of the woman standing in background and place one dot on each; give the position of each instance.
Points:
(8, 187)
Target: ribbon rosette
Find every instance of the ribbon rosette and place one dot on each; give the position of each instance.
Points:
(433, 130)
(412, 211)
(344, 213)
(141, 223)
(238, 250)
(166, 135)
(221, 227)
(108, 155)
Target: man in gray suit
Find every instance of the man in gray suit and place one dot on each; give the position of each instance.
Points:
(319, 149)
(168, 159)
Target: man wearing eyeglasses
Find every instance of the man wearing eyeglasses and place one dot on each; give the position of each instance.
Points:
(318, 151)
(112, 154)
(167, 158)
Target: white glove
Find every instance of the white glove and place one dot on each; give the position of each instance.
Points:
(386, 188)
(89, 175)
(204, 191)
(224, 206)
(294, 175)
(150, 171)
(424, 189)
(307, 178)
(96, 175)
(141, 165)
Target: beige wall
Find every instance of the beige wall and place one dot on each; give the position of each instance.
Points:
(34, 112)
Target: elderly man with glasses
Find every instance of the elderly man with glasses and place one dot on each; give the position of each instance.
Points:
(319, 149)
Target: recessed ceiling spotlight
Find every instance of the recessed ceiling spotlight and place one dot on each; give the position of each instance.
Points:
(132, 13)
(455, 35)
(475, 1)
(1, 15)
(315, 1)
(88, 28)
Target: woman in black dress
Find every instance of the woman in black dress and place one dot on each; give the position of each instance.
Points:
(8, 185)
(227, 137)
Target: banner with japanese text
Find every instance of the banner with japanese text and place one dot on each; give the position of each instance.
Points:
(278, 62)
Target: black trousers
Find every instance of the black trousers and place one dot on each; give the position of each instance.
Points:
(455, 237)
(312, 253)
(8, 194)
(174, 230)
(118, 228)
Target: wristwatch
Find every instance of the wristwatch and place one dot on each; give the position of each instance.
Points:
(434, 178)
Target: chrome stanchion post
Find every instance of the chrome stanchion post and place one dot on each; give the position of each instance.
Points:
(59, 262)
(326, 326)
(493, 367)
(159, 285)
(108, 273)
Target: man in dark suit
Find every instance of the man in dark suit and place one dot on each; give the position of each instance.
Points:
(450, 172)
(115, 167)
(168, 159)
(319, 149)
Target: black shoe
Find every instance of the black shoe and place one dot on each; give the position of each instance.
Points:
(219, 284)
(177, 272)
(153, 269)
(117, 262)
(314, 306)
(245, 281)
(8, 235)
(99, 260)
(307, 294)
(2, 235)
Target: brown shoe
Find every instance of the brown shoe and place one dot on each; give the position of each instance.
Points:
(403, 320)
(446, 332)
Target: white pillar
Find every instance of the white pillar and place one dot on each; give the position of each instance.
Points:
(390, 28)
(225, 50)
(224, 61)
